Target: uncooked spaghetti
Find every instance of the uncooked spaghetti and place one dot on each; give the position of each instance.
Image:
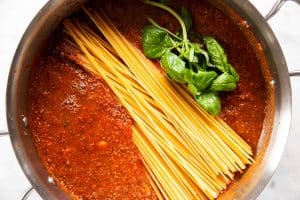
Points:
(188, 153)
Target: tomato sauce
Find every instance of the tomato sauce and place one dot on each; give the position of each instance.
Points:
(83, 134)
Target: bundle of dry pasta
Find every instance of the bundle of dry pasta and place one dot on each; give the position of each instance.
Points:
(188, 153)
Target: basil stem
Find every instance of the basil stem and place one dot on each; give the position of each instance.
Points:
(162, 28)
(172, 12)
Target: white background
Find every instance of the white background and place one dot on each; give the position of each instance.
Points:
(15, 16)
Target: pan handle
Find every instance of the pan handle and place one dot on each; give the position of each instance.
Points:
(27, 193)
(3, 133)
(295, 73)
(276, 7)
(274, 10)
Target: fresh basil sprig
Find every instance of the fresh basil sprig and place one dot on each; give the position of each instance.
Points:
(202, 66)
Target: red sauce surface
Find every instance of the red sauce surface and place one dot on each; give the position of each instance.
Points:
(82, 133)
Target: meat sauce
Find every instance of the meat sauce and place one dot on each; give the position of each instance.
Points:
(83, 134)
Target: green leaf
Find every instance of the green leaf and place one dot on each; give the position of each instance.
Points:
(206, 57)
(210, 101)
(224, 82)
(198, 66)
(193, 89)
(233, 72)
(203, 79)
(200, 52)
(187, 18)
(174, 66)
(190, 55)
(156, 42)
(216, 54)
(188, 76)
(197, 47)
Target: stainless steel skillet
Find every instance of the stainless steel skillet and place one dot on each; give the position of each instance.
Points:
(249, 187)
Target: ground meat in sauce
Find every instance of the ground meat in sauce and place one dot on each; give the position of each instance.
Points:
(82, 133)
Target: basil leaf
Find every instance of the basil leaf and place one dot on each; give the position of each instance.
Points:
(190, 56)
(206, 57)
(224, 82)
(174, 66)
(216, 54)
(233, 72)
(200, 52)
(210, 101)
(156, 42)
(197, 47)
(203, 79)
(193, 89)
(188, 76)
(187, 18)
(198, 66)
